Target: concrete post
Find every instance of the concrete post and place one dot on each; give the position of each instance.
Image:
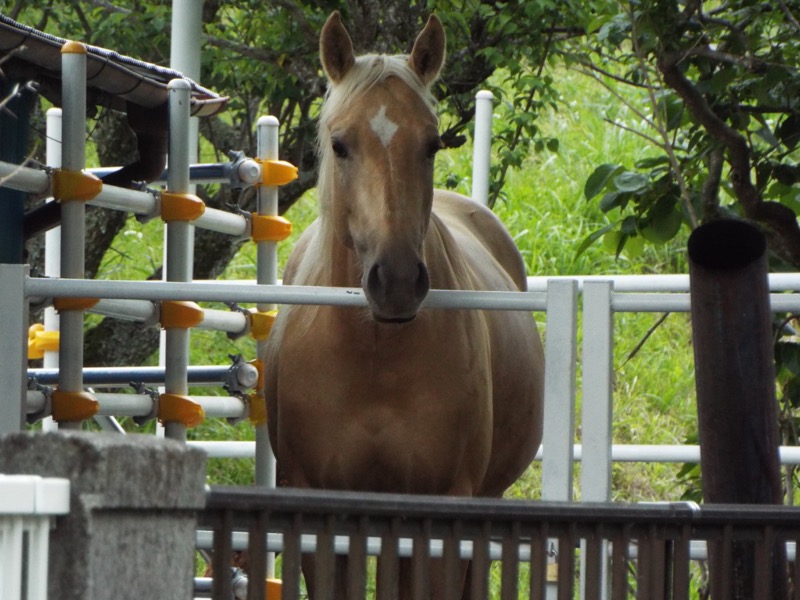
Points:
(131, 529)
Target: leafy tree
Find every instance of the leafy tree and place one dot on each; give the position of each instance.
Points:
(720, 83)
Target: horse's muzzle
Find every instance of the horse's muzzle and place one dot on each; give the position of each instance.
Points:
(395, 290)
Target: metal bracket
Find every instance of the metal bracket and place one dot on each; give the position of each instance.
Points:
(141, 388)
(47, 409)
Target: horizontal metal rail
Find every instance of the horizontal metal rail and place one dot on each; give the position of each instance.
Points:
(314, 295)
(121, 376)
(661, 453)
(268, 294)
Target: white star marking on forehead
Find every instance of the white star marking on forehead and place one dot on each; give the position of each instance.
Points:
(383, 127)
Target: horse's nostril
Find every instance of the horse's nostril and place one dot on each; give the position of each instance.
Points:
(423, 281)
(374, 282)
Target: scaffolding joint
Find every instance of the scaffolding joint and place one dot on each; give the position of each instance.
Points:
(141, 388)
(41, 341)
(234, 307)
(176, 314)
(261, 324)
(178, 408)
(47, 408)
(242, 171)
(240, 377)
(269, 228)
(73, 406)
(181, 207)
(62, 304)
(256, 402)
(75, 186)
(276, 172)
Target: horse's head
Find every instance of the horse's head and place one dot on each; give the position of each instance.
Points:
(378, 138)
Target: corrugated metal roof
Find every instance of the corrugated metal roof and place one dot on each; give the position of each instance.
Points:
(112, 79)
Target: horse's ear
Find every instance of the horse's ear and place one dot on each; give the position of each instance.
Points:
(336, 48)
(427, 56)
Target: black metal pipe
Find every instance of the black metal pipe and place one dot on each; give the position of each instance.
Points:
(735, 381)
(122, 376)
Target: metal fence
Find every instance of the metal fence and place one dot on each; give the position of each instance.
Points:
(647, 547)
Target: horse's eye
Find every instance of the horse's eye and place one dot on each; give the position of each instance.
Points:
(434, 146)
(339, 149)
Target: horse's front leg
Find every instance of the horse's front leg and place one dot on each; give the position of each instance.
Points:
(402, 580)
(326, 582)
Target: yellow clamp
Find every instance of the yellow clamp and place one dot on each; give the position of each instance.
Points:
(256, 401)
(276, 172)
(181, 207)
(180, 315)
(75, 186)
(41, 341)
(62, 304)
(273, 589)
(269, 228)
(73, 406)
(261, 324)
(176, 408)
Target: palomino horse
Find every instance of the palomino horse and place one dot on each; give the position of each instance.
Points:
(393, 398)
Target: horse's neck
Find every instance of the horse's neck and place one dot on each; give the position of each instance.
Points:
(445, 261)
(345, 270)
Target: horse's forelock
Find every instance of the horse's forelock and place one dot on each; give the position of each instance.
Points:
(368, 71)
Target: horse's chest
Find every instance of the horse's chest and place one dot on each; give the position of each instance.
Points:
(361, 417)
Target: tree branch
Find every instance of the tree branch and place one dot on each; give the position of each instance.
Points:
(789, 16)
(710, 191)
(779, 218)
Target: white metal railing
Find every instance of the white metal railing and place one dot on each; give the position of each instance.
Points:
(27, 505)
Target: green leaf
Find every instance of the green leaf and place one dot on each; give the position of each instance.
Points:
(663, 221)
(650, 163)
(630, 181)
(787, 354)
(789, 131)
(591, 239)
(599, 179)
(612, 200)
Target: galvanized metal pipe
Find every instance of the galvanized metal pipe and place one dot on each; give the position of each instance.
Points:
(735, 380)
(482, 146)
(179, 246)
(73, 214)
(267, 135)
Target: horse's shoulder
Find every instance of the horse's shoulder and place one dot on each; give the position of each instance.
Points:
(477, 221)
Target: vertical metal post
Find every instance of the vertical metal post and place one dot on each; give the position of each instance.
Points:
(558, 435)
(187, 21)
(52, 247)
(14, 333)
(482, 146)
(597, 385)
(598, 348)
(735, 377)
(267, 273)
(73, 216)
(559, 402)
(178, 254)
